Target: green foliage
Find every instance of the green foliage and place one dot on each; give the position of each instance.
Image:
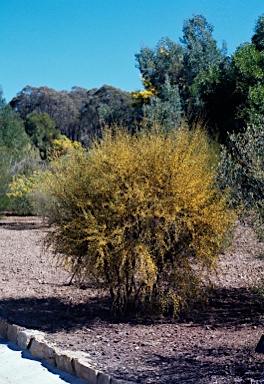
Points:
(41, 129)
(200, 48)
(165, 111)
(12, 132)
(195, 68)
(242, 170)
(231, 92)
(155, 65)
(258, 37)
(16, 152)
(141, 215)
(248, 73)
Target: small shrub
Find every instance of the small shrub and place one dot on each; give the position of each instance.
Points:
(63, 146)
(27, 191)
(140, 215)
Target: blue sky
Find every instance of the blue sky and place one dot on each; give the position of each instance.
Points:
(88, 43)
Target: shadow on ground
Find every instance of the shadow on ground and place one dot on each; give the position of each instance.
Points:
(207, 365)
(24, 225)
(227, 307)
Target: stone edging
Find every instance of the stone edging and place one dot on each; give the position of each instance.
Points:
(75, 363)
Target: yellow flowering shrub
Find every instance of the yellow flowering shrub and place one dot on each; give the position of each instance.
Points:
(27, 193)
(20, 189)
(141, 215)
(60, 147)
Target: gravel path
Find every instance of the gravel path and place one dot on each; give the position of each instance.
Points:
(214, 346)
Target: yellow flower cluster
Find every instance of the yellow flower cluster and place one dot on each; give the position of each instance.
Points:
(23, 185)
(62, 146)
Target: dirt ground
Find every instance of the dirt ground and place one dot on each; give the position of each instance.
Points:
(217, 345)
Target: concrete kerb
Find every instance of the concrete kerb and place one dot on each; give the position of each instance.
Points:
(74, 363)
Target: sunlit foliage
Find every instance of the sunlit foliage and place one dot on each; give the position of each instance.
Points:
(63, 146)
(42, 132)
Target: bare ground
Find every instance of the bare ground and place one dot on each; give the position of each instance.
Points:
(215, 345)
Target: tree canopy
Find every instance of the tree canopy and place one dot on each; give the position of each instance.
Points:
(78, 114)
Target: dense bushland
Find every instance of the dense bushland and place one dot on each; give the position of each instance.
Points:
(140, 215)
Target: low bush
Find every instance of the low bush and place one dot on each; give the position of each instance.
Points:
(27, 192)
(141, 215)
